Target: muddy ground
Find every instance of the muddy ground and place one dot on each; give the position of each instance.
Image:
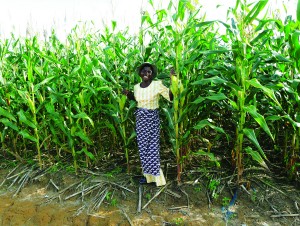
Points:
(61, 198)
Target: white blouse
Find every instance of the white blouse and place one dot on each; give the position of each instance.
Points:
(149, 97)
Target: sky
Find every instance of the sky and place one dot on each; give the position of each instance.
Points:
(40, 16)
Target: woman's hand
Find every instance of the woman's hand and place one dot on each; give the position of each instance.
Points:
(125, 92)
(172, 73)
(129, 94)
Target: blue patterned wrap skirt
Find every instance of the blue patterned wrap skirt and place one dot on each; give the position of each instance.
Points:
(148, 134)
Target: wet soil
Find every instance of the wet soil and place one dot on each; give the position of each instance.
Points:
(40, 202)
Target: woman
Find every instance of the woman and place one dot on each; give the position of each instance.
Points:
(147, 94)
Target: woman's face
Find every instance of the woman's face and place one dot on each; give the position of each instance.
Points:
(146, 74)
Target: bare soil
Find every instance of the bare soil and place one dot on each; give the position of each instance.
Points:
(40, 202)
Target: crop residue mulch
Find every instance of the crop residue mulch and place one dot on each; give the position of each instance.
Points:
(44, 198)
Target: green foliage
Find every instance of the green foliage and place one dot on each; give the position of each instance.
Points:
(198, 188)
(234, 88)
(298, 11)
(112, 201)
(148, 196)
(178, 221)
(113, 172)
(253, 196)
(210, 156)
(212, 187)
(225, 201)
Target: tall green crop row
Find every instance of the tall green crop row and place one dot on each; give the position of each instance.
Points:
(52, 95)
(232, 90)
(288, 46)
(186, 44)
(249, 84)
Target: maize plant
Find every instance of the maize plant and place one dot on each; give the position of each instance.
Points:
(185, 44)
(246, 83)
(235, 92)
(291, 47)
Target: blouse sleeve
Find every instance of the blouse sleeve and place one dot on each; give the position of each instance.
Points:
(164, 91)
